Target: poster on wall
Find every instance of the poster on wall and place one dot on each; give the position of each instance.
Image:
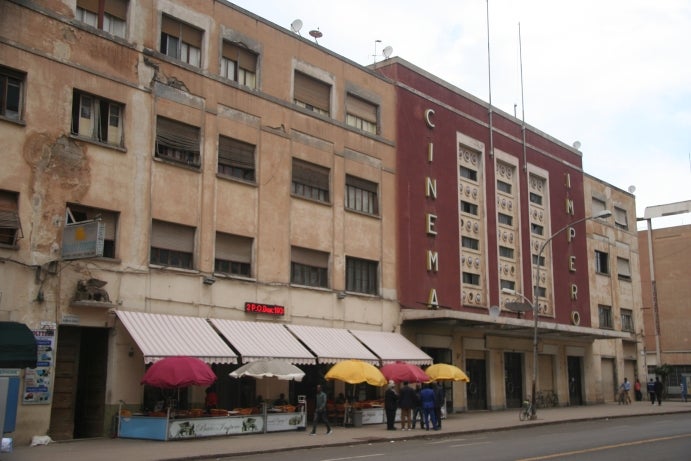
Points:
(37, 380)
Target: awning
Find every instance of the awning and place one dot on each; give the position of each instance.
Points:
(161, 335)
(392, 347)
(17, 346)
(263, 340)
(331, 345)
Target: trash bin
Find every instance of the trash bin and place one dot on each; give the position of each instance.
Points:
(357, 418)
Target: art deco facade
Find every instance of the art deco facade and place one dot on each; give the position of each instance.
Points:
(233, 163)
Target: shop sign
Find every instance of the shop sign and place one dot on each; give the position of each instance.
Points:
(269, 309)
(208, 427)
(37, 380)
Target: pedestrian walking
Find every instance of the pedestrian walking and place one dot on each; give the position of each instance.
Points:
(406, 402)
(439, 400)
(390, 406)
(658, 390)
(651, 391)
(684, 388)
(428, 405)
(417, 408)
(320, 411)
(624, 392)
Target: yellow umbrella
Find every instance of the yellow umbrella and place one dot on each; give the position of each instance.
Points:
(446, 372)
(355, 372)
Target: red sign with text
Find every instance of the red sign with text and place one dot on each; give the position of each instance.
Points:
(269, 309)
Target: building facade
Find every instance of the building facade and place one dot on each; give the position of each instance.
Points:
(487, 206)
(228, 168)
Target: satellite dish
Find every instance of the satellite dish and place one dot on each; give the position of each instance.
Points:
(576, 144)
(632, 189)
(387, 51)
(515, 306)
(316, 34)
(296, 26)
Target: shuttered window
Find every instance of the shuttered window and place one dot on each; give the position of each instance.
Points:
(10, 226)
(310, 181)
(177, 142)
(312, 94)
(236, 159)
(361, 114)
(239, 64)
(309, 267)
(172, 244)
(620, 218)
(107, 15)
(233, 254)
(181, 41)
(362, 276)
(361, 195)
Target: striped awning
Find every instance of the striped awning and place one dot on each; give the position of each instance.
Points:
(392, 347)
(332, 345)
(162, 335)
(263, 340)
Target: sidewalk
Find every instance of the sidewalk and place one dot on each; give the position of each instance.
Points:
(104, 449)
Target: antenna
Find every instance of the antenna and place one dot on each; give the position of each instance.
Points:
(296, 25)
(375, 50)
(316, 34)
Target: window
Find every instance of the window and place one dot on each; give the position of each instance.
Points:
(172, 245)
(312, 94)
(470, 208)
(310, 181)
(362, 276)
(505, 219)
(598, 206)
(467, 173)
(236, 159)
(233, 255)
(239, 64)
(541, 292)
(601, 262)
(542, 260)
(605, 314)
(506, 252)
(79, 213)
(107, 15)
(507, 284)
(537, 229)
(177, 142)
(10, 226)
(11, 93)
(627, 320)
(361, 195)
(535, 198)
(471, 279)
(181, 41)
(361, 114)
(620, 218)
(471, 243)
(504, 187)
(96, 118)
(623, 269)
(309, 267)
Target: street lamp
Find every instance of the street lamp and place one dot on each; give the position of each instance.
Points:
(536, 286)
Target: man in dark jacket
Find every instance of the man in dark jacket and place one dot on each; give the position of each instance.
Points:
(390, 406)
(439, 399)
(658, 390)
(406, 402)
(651, 391)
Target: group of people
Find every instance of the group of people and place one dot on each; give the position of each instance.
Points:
(424, 402)
(655, 391)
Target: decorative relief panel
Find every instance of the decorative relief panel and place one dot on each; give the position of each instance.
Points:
(472, 226)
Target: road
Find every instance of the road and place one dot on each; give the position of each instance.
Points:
(658, 438)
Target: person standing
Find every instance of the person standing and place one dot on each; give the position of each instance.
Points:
(406, 402)
(625, 390)
(211, 399)
(417, 408)
(637, 390)
(320, 411)
(390, 406)
(684, 388)
(658, 390)
(428, 405)
(651, 391)
(439, 400)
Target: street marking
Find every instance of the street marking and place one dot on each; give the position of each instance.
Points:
(605, 447)
(355, 457)
(445, 441)
(468, 444)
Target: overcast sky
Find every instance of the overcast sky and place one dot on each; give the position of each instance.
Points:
(614, 75)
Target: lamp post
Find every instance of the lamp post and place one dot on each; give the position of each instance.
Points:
(536, 286)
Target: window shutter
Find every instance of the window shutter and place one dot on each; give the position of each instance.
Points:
(623, 267)
(170, 26)
(246, 59)
(191, 35)
(312, 91)
(309, 257)
(361, 108)
(233, 248)
(177, 135)
(88, 5)
(9, 218)
(236, 153)
(310, 174)
(620, 217)
(360, 183)
(172, 236)
(117, 8)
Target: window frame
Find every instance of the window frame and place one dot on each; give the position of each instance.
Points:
(504, 187)
(170, 243)
(623, 269)
(621, 218)
(233, 255)
(470, 243)
(187, 39)
(182, 142)
(109, 218)
(469, 208)
(470, 278)
(627, 323)
(10, 224)
(362, 276)
(10, 78)
(310, 181)
(309, 268)
(602, 262)
(236, 159)
(109, 14)
(467, 173)
(362, 114)
(605, 320)
(243, 62)
(311, 93)
(361, 195)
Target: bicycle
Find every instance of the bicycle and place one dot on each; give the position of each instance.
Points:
(526, 412)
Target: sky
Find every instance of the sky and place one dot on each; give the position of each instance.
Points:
(614, 75)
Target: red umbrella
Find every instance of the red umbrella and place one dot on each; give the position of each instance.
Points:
(172, 372)
(401, 371)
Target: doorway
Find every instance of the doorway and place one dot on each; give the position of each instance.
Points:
(476, 389)
(513, 379)
(575, 380)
